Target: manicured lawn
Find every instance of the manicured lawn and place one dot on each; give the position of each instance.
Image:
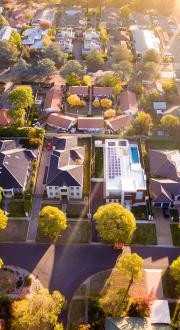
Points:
(162, 143)
(145, 234)
(99, 172)
(168, 285)
(76, 211)
(16, 231)
(175, 232)
(140, 212)
(77, 311)
(77, 232)
(16, 209)
(175, 214)
(86, 142)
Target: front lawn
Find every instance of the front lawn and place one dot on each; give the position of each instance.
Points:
(175, 232)
(77, 232)
(99, 162)
(16, 231)
(175, 214)
(140, 212)
(145, 234)
(15, 209)
(76, 211)
(162, 143)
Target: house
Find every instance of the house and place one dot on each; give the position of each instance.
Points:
(65, 172)
(4, 119)
(73, 17)
(53, 99)
(15, 166)
(159, 107)
(128, 102)
(59, 121)
(102, 92)
(81, 91)
(33, 37)
(119, 123)
(125, 179)
(90, 124)
(91, 41)
(175, 111)
(65, 38)
(47, 15)
(164, 186)
(144, 40)
(5, 32)
(111, 19)
(118, 38)
(141, 20)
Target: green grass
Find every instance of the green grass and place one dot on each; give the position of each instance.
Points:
(99, 173)
(76, 211)
(86, 142)
(77, 232)
(169, 285)
(76, 315)
(16, 209)
(162, 143)
(140, 212)
(175, 214)
(16, 231)
(175, 232)
(145, 234)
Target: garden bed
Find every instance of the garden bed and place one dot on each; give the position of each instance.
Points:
(99, 162)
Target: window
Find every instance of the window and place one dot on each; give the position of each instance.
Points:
(77, 188)
(56, 188)
(72, 194)
(50, 188)
(51, 194)
(77, 194)
(139, 195)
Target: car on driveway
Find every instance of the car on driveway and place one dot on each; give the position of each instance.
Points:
(166, 212)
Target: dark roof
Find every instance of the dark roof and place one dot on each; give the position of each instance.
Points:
(120, 122)
(163, 164)
(14, 164)
(65, 168)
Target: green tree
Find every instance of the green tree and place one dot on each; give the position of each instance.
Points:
(121, 53)
(87, 81)
(175, 272)
(169, 87)
(124, 69)
(15, 39)
(169, 124)
(125, 12)
(8, 54)
(131, 265)
(3, 21)
(3, 220)
(21, 97)
(36, 136)
(45, 68)
(39, 312)
(142, 123)
(54, 53)
(109, 80)
(1, 263)
(94, 60)
(72, 67)
(139, 89)
(151, 55)
(72, 79)
(104, 35)
(17, 116)
(21, 69)
(150, 71)
(115, 223)
(52, 221)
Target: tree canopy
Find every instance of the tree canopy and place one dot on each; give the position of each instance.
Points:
(175, 272)
(169, 124)
(142, 123)
(121, 53)
(15, 39)
(52, 221)
(45, 68)
(8, 54)
(124, 69)
(17, 116)
(3, 220)
(21, 97)
(131, 265)
(150, 71)
(151, 55)
(72, 67)
(94, 60)
(54, 53)
(115, 223)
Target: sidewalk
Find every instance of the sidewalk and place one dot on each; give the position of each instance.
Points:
(163, 230)
(154, 282)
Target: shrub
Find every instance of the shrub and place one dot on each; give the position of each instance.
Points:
(106, 103)
(19, 283)
(28, 281)
(82, 103)
(96, 103)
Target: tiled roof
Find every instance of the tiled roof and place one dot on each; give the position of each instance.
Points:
(102, 91)
(128, 101)
(79, 90)
(61, 121)
(120, 122)
(90, 123)
(53, 99)
(4, 119)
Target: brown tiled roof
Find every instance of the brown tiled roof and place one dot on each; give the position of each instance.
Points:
(79, 90)
(128, 101)
(120, 122)
(88, 123)
(61, 121)
(102, 91)
(4, 119)
(53, 98)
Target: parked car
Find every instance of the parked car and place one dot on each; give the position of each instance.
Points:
(166, 212)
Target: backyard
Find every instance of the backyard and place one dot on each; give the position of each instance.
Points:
(86, 142)
(145, 234)
(175, 232)
(99, 172)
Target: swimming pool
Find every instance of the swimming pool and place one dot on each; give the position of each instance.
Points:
(134, 154)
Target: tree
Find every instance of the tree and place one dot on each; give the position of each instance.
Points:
(73, 101)
(3, 21)
(150, 70)
(96, 103)
(94, 60)
(169, 87)
(87, 80)
(8, 54)
(15, 39)
(109, 80)
(36, 136)
(139, 89)
(131, 265)
(142, 123)
(109, 113)
(169, 124)
(175, 272)
(45, 68)
(124, 69)
(39, 312)
(72, 67)
(3, 220)
(84, 327)
(121, 53)
(21, 69)
(125, 12)
(55, 54)
(106, 103)
(115, 223)
(151, 55)
(21, 97)
(72, 79)
(17, 116)
(52, 221)
(1, 263)
(117, 89)
(104, 35)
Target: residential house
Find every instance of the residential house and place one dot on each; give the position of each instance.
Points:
(128, 102)
(164, 186)
(4, 119)
(65, 38)
(5, 33)
(33, 37)
(65, 172)
(15, 166)
(91, 41)
(117, 38)
(60, 121)
(159, 107)
(102, 92)
(91, 124)
(47, 15)
(111, 19)
(141, 20)
(125, 179)
(175, 111)
(73, 17)
(119, 123)
(144, 40)
(53, 99)
(81, 91)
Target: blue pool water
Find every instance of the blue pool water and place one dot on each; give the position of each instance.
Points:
(134, 155)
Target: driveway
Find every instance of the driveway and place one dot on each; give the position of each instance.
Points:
(96, 200)
(77, 50)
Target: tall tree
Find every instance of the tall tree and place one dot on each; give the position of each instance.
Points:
(175, 272)
(17, 116)
(124, 69)
(72, 67)
(142, 123)
(169, 124)
(8, 54)
(121, 53)
(52, 221)
(54, 53)
(115, 223)
(151, 55)
(39, 312)
(3, 220)
(45, 68)
(94, 60)
(21, 97)
(150, 71)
